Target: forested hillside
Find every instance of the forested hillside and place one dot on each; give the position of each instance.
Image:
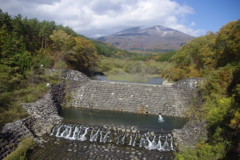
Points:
(216, 57)
(27, 48)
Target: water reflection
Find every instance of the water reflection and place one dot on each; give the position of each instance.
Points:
(156, 80)
(144, 122)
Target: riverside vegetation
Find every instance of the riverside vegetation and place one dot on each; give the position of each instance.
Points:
(29, 47)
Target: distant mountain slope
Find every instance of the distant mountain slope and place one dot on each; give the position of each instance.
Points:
(156, 38)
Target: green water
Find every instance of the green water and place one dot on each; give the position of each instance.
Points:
(156, 80)
(102, 117)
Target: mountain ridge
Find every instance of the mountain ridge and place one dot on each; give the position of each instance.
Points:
(155, 38)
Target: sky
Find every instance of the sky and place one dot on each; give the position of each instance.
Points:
(95, 18)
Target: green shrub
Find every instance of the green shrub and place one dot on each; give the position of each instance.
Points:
(22, 150)
(116, 71)
(60, 65)
(44, 60)
(203, 151)
(166, 56)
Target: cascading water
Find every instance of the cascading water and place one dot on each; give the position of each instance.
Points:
(94, 137)
(134, 142)
(105, 138)
(160, 118)
(101, 136)
(159, 144)
(123, 139)
(166, 144)
(75, 133)
(118, 136)
(82, 136)
(130, 142)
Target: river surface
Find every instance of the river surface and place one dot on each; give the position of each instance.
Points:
(102, 117)
(156, 80)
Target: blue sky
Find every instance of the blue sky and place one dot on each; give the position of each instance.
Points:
(94, 18)
(211, 15)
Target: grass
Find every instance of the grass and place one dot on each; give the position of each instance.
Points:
(131, 77)
(22, 150)
(153, 76)
(26, 93)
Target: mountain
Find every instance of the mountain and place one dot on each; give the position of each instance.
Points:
(156, 38)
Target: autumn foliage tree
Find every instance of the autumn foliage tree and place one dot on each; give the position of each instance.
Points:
(78, 52)
(216, 57)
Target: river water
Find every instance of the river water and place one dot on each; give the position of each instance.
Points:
(102, 117)
(155, 80)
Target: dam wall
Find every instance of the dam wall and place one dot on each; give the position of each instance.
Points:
(169, 100)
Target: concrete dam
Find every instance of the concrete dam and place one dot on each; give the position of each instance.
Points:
(169, 100)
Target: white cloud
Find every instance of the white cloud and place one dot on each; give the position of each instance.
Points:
(103, 17)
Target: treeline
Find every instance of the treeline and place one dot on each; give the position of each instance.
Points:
(216, 57)
(108, 50)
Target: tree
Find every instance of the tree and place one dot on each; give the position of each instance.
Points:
(3, 38)
(18, 25)
(228, 44)
(67, 29)
(83, 57)
(46, 29)
(62, 41)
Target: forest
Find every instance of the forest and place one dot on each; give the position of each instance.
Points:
(28, 48)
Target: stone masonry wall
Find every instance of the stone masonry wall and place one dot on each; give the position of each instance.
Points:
(43, 116)
(12, 133)
(132, 97)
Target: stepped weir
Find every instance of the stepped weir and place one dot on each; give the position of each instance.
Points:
(117, 135)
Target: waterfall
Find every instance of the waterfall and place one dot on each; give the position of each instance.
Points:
(105, 138)
(82, 136)
(94, 137)
(53, 130)
(159, 144)
(69, 132)
(101, 140)
(58, 131)
(160, 118)
(143, 140)
(65, 132)
(91, 135)
(171, 144)
(123, 139)
(151, 144)
(134, 142)
(130, 142)
(75, 132)
(79, 133)
(166, 144)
